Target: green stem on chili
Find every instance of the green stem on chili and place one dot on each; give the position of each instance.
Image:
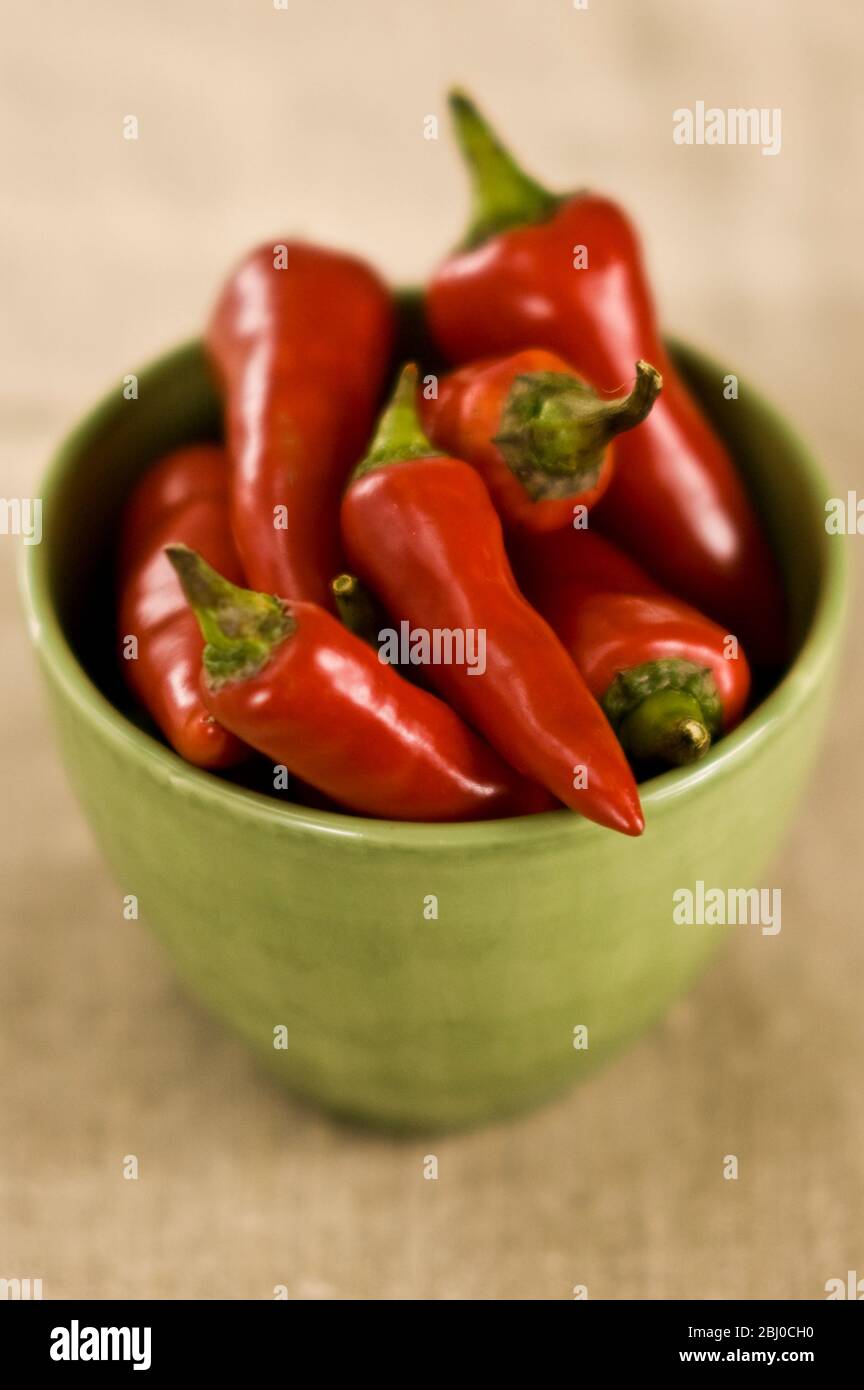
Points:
(399, 435)
(241, 628)
(668, 726)
(667, 709)
(555, 429)
(503, 195)
(357, 608)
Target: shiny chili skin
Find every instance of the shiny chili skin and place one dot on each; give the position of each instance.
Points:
(611, 616)
(301, 351)
(472, 412)
(333, 714)
(422, 532)
(676, 500)
(551, 569)
(184, 498)
(322, 705)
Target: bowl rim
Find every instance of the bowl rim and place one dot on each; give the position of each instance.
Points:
(161, 761)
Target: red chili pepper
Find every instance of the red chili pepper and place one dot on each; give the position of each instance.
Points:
(668, 678)
(292, 682)
(566, 273)
(183, 499)
(537, 434)
(420, 530)
(549, 568)
(301, 339)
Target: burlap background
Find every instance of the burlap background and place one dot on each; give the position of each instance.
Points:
(254, 121)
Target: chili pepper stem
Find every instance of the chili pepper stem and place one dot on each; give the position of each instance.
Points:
(669, 726)
(240, 627)
(357, 608)
(555, 429)
(399, 435)
(503, 195)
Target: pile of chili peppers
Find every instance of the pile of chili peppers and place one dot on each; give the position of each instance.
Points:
(553, 500)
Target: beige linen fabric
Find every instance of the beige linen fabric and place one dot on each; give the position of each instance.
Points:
(255, 120)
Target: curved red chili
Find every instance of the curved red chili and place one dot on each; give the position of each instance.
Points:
(668, 678)
(566, 273)
(420, 529)
(294, 683)
(300, 339)
(540, 438)
(183, 499)
(550, 569)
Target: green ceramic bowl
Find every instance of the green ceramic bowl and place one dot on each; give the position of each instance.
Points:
(280, 916)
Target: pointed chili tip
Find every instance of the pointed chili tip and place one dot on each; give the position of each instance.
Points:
(632, 821)
(624, 814)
